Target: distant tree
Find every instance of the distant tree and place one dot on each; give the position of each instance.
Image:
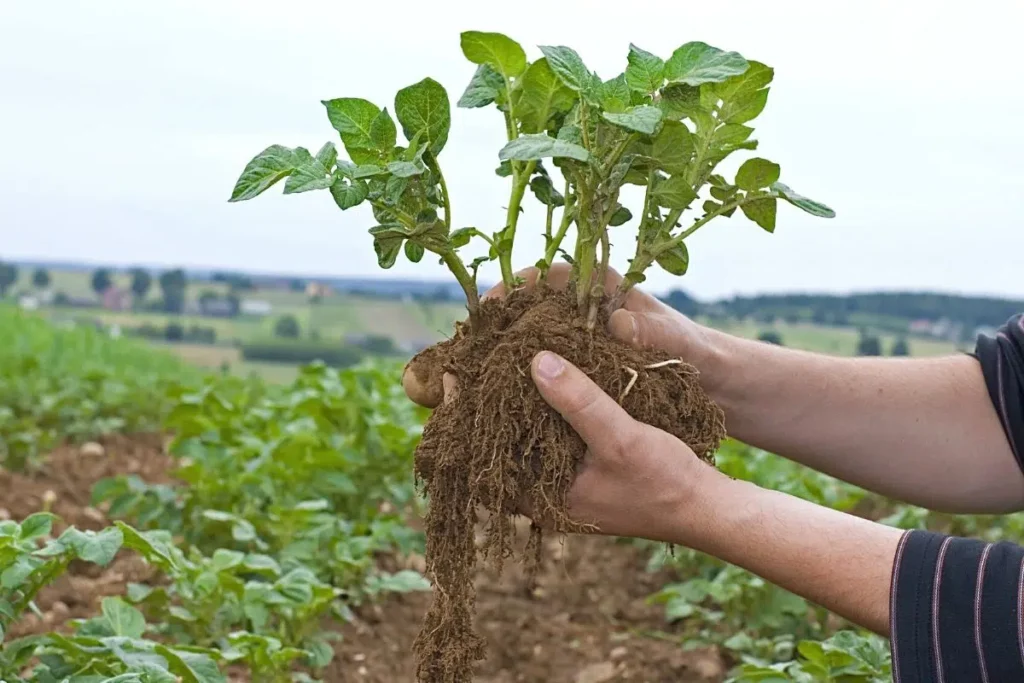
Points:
(172, 286)
(208, 296)
(297, 285)
(174, 332)
(771, 337)
(142, 281)
(101, 280)
(61, 299)
(41, 278)
(900, 348)
(791, 318)
(235, 301)
(379, 345)
(682, 302)
(8, 276)
(287, 326)
(819, 317)
(868, 345)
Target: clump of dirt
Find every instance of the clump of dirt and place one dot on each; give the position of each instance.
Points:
(498, 445)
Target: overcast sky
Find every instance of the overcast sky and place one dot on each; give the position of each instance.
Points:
(126, 123)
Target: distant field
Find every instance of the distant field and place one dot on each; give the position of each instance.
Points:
(839, 341)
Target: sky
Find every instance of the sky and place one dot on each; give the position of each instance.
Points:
(125, 125)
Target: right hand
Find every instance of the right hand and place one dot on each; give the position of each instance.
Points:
(643, 321)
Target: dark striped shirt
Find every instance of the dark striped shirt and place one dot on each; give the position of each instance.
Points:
(956, 602)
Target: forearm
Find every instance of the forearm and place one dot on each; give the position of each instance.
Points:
(841, 562)
(919, 430)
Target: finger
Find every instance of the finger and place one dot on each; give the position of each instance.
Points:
(421, 390)
(649, 331)
(592, 413)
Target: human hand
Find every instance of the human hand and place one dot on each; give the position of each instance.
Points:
(643, 321)
(635, 480)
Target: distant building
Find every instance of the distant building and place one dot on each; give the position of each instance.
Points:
(28, 302)
(317, 290)
(116, 299)
(216, 308)
(256, 307)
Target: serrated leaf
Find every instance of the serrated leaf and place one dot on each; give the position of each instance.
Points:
(461, 237)
(348, 193)
(423, 109)
(673, 193)
(643, 119)
(757, 173)
(352, 117)
(615, 94)
(309, 174)
(622, 215)
(533, 146)
(496, 50)
(675, 260)
(646, 71)
(383, 133)
(36, 525)
(541, 95)
(124, 620)
(695, 63)
(483, 89)
(571, 70)
(761, 211)
(545, 192)
(404, 169)
(263, 171)
(672, 148)
(414, 251)
(809, 205)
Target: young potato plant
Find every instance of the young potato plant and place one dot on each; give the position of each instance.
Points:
(664, 125)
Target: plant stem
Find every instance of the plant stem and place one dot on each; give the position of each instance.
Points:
(617, 153)
(484, 235)
(436, 168)
(520, 180)
(597, 287)
(563, 227)
(585, 125)
(458, 268)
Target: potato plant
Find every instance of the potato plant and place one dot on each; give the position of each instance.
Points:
(664, 125)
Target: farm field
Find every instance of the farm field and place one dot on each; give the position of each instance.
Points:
(243, 529)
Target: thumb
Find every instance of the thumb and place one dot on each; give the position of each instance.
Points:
(650, 331)
(590, 411)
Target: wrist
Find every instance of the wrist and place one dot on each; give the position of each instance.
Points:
(695, 520)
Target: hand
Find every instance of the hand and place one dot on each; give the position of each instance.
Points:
(643, 321)
(635, 480)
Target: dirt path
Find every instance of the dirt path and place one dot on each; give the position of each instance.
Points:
(580, 625)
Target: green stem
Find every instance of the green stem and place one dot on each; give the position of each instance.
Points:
(585, 124)
(563, 227)
(617, 153)
(512, 219)
(403, 218)
(444, 191)
(597, 287)
(486, 237)
(466, 281)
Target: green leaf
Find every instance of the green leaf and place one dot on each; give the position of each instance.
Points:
(124, 619)
(383, 134)
(541, 95)
(571, 70)
(484, 88)
(615, 94)
(387, 242)
(327, 155)
(96, 547)
(744, 96)
(673, 193)
(352, 117)
(395, 188)
(460, 238)
(675, 260)
(405, 581)
(414, 251)
(646, 72)
(809, 205)
(679, 101)
(404, 169)
(621, 215)
(423, 109)
(15, 575)
(226, 559)
(695, 63)
(672, 147)
(533, 146)
(761, 211)
(265, 169)
(36, 525)
(310, 173)
(643, 119)
(504, 169)
(348, 193)
(191, 667)
(496, 50)
(757, 173)
(730, 134)
(545, 191)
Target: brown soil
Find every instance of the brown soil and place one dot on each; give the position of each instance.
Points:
(581, 623)
(498, 445)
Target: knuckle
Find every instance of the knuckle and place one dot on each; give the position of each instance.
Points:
(579, 403)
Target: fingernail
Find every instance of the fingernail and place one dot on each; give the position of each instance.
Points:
(549, 365)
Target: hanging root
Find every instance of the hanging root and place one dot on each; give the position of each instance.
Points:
(632, 381)
(664, 363)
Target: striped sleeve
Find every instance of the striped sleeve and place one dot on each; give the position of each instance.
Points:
(1002, 363)
(956, 610)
